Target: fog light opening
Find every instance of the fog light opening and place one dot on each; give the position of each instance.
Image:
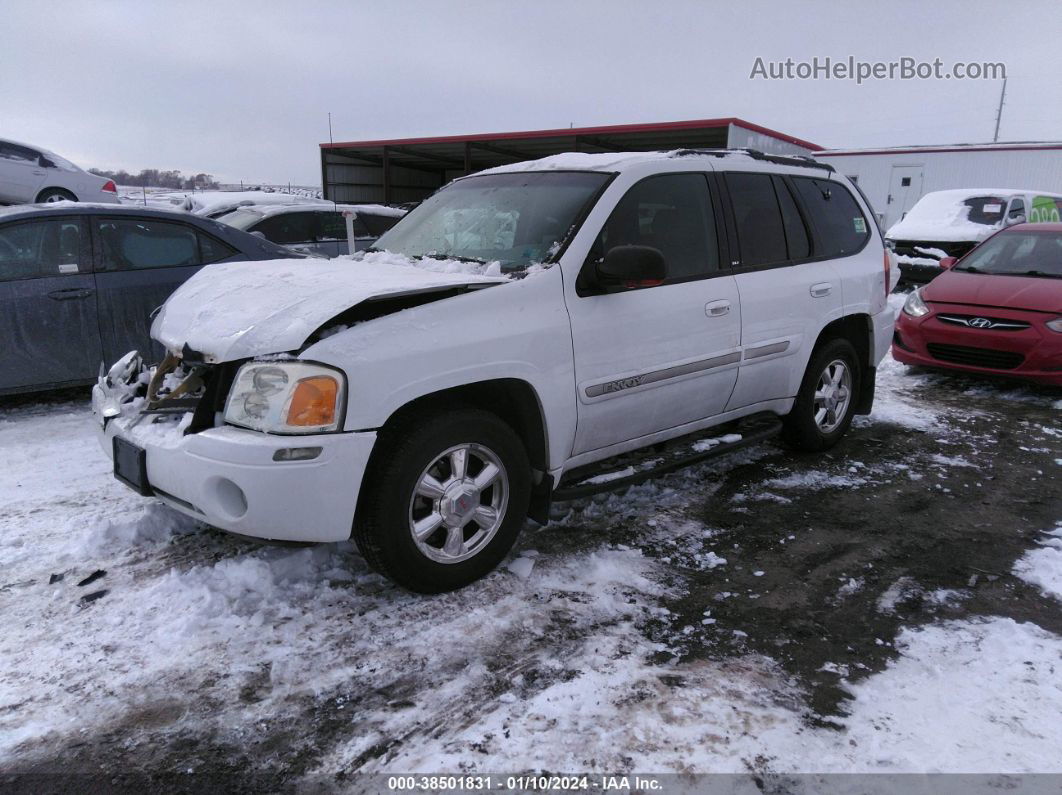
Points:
(297, 453)
(230, 498)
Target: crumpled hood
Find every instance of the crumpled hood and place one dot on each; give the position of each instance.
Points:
(985, 289)
(238, 310)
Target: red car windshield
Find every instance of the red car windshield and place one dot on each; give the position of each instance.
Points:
(1017, 254)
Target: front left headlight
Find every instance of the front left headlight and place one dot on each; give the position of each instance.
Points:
(914, 305)
(286, 397)
(1055, 325)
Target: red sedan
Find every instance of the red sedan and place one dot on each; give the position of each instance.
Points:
(997, 310)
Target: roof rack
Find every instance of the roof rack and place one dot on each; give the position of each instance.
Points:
(782, 160)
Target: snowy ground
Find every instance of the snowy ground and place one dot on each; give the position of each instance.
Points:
(893, 606)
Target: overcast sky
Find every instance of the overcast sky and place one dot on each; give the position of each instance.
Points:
(242, 90)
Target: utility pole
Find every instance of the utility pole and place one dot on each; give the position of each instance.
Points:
(999, 111)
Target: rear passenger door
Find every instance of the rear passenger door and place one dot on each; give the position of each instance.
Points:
(789, 289)
(140, 262)
(47, 304)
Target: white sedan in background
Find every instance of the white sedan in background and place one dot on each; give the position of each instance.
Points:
(31, 174)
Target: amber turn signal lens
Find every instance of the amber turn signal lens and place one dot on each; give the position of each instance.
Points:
(314, 402)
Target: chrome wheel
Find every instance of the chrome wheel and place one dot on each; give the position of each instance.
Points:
(832, 395)
(459, 503)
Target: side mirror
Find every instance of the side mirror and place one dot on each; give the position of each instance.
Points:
(632, 266)
(1016, 219)
(259, 235)
(947, 263)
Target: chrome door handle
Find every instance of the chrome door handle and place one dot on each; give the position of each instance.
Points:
(821, 290)
(717, 308)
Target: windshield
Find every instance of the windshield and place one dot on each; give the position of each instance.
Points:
(986, 209)
(1017, 254)
(241, 219)
(516, 219)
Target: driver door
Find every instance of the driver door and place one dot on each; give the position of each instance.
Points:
(655, 358)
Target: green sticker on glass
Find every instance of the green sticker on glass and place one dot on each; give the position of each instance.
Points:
(860, 225)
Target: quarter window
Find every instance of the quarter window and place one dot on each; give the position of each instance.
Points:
(672, 213)
(841, 226)
(760, 230)
(213, 250)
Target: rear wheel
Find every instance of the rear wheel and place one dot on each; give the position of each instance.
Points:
(827, 398)
(49, 195)
(444, 501)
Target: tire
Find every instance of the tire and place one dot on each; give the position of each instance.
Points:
(806, 427)
(459, 543)
(49, 195)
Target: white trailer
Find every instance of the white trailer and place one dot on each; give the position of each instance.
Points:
(894, 179)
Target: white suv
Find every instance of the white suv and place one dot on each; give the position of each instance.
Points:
(513, 340)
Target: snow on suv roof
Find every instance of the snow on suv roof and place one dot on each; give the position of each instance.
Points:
(618, 161)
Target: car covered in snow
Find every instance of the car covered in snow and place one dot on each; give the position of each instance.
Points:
(315, 229)
(29, 174)
(949, 223)
(527, 334)
(998, 310)
(79, 283)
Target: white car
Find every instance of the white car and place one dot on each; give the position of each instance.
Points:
(315, 228)
(516, 338)
(30, 174)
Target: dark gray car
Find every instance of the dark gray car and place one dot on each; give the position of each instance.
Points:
(79, 283)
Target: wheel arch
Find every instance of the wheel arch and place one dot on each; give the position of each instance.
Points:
(857, 329)
(49, 188)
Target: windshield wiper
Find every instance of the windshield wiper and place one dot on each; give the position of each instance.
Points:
(969, 269)
(456, 257)
(1041, 273)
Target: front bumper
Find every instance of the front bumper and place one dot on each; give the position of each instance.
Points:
(227, 478)
(930, 342)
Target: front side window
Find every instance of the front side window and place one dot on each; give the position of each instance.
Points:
(19, 154)
(671, 213)
(515, 219)
(842, 228)
(41, 248)
(760, 230)
(288, 228)
(1017, 207)
(135, 244)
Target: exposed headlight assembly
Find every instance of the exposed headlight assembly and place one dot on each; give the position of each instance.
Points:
(286, 397)
(914, 305)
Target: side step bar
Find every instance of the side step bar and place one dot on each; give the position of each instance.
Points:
(622, 471)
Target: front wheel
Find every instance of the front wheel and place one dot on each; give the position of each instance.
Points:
(444, 501)
(827, 398)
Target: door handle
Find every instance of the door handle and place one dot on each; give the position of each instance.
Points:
(717, 308)
(70, 294)
(821, 290)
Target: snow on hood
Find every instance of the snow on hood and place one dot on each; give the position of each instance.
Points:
(985, 289)
(942, 216)
(237, 310)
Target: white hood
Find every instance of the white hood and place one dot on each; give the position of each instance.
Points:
(238, 310)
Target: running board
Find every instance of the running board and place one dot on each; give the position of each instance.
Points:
(639, 466)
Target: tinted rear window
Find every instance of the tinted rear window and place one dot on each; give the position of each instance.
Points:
(841, 226)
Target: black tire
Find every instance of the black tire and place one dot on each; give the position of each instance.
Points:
(54, 195)
(382, 526)
(800, 429)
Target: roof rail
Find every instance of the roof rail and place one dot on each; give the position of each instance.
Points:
(782, 160)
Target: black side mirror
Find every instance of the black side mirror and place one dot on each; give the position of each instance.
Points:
(631, 266)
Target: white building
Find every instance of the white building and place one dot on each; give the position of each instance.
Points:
(894, 179)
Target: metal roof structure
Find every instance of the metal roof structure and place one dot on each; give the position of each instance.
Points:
(409, 169)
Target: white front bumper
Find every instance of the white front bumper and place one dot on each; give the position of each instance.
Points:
(227, 477)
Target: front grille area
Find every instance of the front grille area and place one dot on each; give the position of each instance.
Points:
(995, 323)
(951, 248)
(975, 357)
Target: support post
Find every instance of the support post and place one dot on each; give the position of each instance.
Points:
(385, 162)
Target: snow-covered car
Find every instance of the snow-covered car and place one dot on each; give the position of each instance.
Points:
(514, 340)
(949, 223)
(317, 229)
(79, 282)
(29, 174)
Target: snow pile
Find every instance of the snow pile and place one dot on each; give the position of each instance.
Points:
(943, 216)
(150, 525)
(1042, 566)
